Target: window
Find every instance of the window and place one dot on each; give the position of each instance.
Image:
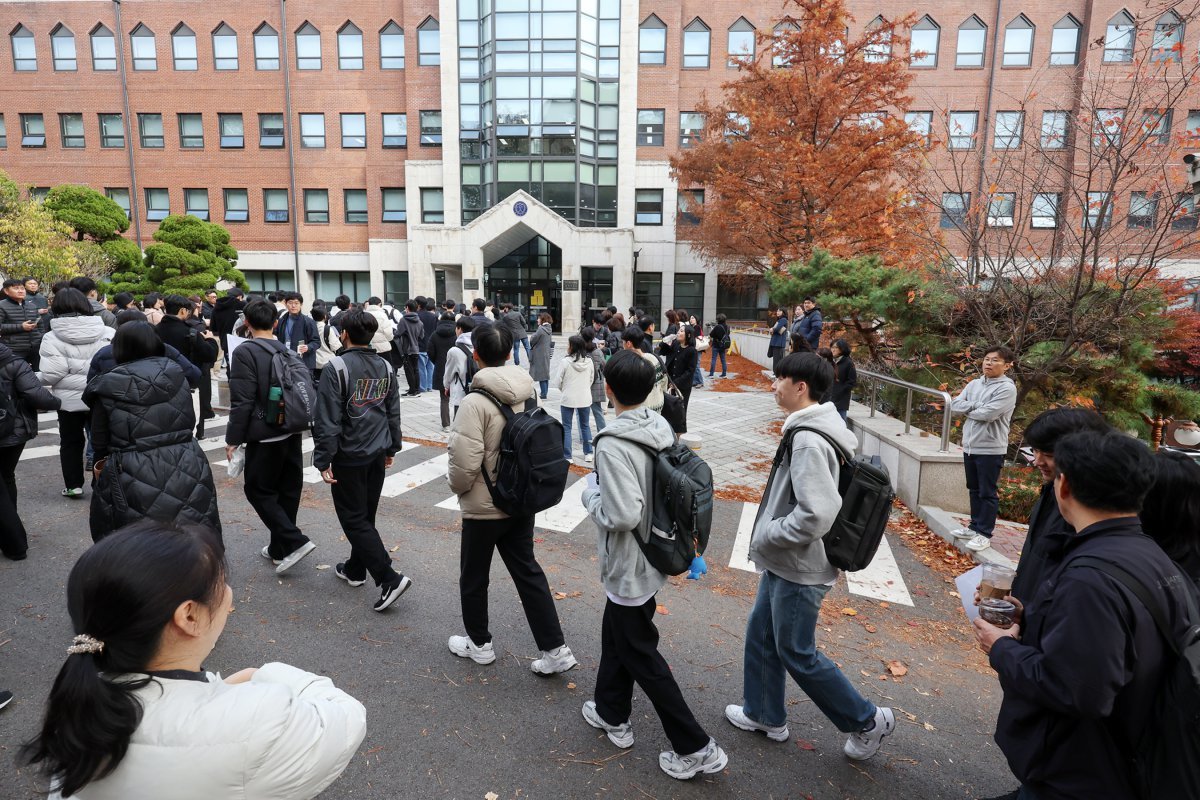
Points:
(354, 131)
(112, 130)
(1185, 212)
(395, 287)
(150, 131)
(183, 48)
(270, 130)
(1107, 127)
(1054, 130)
(689, 290)
(1018, 42)
(432, 206)
(262, 281)
(33, 130)
(3, 133)
(308, 47)
(1168, 38)
(1156, 126)
(62, 47)
(740, 42)
(356, 206)
(1009, 129)
(779, 47)
(275, 205)
(1191, 127)
(141, 43)
(691, 126)
(972, 39)
(104, 50)
(431, 129)
(39, 193)
(879, 48)
(1099, 210)
(391, 47)
(225, 54)
(316, 206)
(923, 43)
(195, 203)
(350, 47)
(1000, 210)
(1143, 208)
(71, 127)
(652, 41)
(232, 133)
(24, 50)
(355, 285)
(954, 209)
(266, 48)
(648, 207)
(1118, 39)
(158, 204)
(962, 129)
(920, 123)
(395, 130)
(312, 131)
(395, 206)
(697, 44)
(1044, 210)
(691, 203)
(1064, 42)
(237, 205)
(191, 131)
(429, 43)
(650, 125)
(120, 196)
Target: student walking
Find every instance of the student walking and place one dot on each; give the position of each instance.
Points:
(515, 322)
(474, 446)
(460, 365)
(799, 505)
(599, 400)
(619, 498)
(356, 434)
(574, 380)
(717, 338)
(440, 345)
(410, 336)
(19, 382)
(540, 345)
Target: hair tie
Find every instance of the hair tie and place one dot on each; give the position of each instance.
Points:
(85, 644)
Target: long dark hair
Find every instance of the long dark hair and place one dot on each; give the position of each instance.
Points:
(136, 340)
(122, 591)
(577, 347)
(69, 301)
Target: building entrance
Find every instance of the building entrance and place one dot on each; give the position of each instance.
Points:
(529, 277)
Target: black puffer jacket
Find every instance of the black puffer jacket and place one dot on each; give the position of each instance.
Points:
(142, 422)
(440, 344)
(13, 316)
(28, 394)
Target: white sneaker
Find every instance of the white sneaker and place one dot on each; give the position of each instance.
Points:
(463, 647)
(265, 552)
(560, 659)
(737, 717)
(864, 744)
(962, 533)
(588, 458)
(978, 542)
(445, 429)
(620, 735)
(711, 759)
(293, 558)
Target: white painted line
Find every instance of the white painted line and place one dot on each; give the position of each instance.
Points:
(418, 475)
(740, 558)
(45, 451)
(566, 515)
(881, 580)
(48, 416)
(450, 503)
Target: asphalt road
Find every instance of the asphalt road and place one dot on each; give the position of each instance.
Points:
(443, 727)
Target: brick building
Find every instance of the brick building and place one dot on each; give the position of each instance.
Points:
(456, 148)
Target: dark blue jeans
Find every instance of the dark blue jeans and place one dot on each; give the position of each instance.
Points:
(712, 364)
(983, 477)
(517, 350)
(585, 429)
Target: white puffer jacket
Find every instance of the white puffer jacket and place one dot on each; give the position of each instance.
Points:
(285, 735)
(382, 340)
(575, 378)
(67, 352)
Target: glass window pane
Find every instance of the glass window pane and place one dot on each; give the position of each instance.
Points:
(104, 50)
(266, 48)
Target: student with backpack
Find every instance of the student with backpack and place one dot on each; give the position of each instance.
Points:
(440, 345)
(264, 416)
(475, 457)
(620, 498)
(800, 504)
(721, 342)
(460, 366)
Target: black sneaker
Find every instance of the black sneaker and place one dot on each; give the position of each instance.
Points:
(6, 697)
(339, 569)
(391, 593)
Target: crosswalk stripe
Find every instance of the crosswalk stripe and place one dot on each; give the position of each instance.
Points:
(881, 579)
(740, 558)
(563, 517)
(418, 475)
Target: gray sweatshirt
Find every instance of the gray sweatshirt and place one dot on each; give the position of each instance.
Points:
(622, 505)
(988, 404)
(801, 502)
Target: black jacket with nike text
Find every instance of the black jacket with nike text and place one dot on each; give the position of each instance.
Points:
(358, 410)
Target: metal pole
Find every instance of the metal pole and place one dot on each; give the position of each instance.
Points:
(291, 145)
(127, 130)
(874, 389)
(945, 428)
(908, 412)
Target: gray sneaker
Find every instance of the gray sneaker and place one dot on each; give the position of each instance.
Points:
(560, 659)
(463, 647)
(620, 735)
(736, 715)
(293, 558)
(864, 744)
(711, 759)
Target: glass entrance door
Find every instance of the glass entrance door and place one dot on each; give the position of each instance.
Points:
(597, 292)
(529, 277)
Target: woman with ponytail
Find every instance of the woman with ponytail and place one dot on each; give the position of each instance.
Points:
(132, 707)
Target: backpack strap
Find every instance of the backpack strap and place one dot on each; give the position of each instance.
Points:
(504, 407)
(843, 457)
(1126, 579)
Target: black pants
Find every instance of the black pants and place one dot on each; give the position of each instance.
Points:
(629, 654)
(445, 407)
(274, 478)
(9, 458)
(513, 537)
(983, 477)
(206, 409)
(71, 425)
(411, 373)
(356, 499)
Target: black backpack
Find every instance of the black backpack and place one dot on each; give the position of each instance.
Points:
(867, 495)
(472, 368)
(1166, 762)
(294, 410)
(531, 472)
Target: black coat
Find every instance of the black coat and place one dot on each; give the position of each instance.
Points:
(29, 396)
(225, 313)
(186, 338)
(249, 383)
(303, 330)
(845, 378)
(142, 422)
(13, 316)
(104, 361)
(440, 344)
(430, 321)
(1045, 543)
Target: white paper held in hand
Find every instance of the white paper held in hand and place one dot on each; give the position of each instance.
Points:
(966, 584)
(237, 462)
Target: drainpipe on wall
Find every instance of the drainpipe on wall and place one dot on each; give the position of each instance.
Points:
(127, 129)
(973, 258)
(294, 209)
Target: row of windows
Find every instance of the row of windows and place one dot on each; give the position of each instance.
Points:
(1045, 210)
(275, 204)
(231, 128)
(185, 54)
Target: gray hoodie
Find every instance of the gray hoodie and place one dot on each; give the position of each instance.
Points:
(988, 404)
(801, 501)
(621, 504)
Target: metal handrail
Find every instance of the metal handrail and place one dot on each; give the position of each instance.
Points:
(913, 387)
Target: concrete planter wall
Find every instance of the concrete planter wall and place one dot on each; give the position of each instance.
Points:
(753, 346)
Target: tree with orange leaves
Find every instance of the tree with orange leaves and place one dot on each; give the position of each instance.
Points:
(808, 148)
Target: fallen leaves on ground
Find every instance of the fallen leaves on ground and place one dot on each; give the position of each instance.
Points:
(748, 376)
(805, 744)
(849, 612)
(565, 595)
(897, 669)
(661, 609)
(932, 550)
(739, 494)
